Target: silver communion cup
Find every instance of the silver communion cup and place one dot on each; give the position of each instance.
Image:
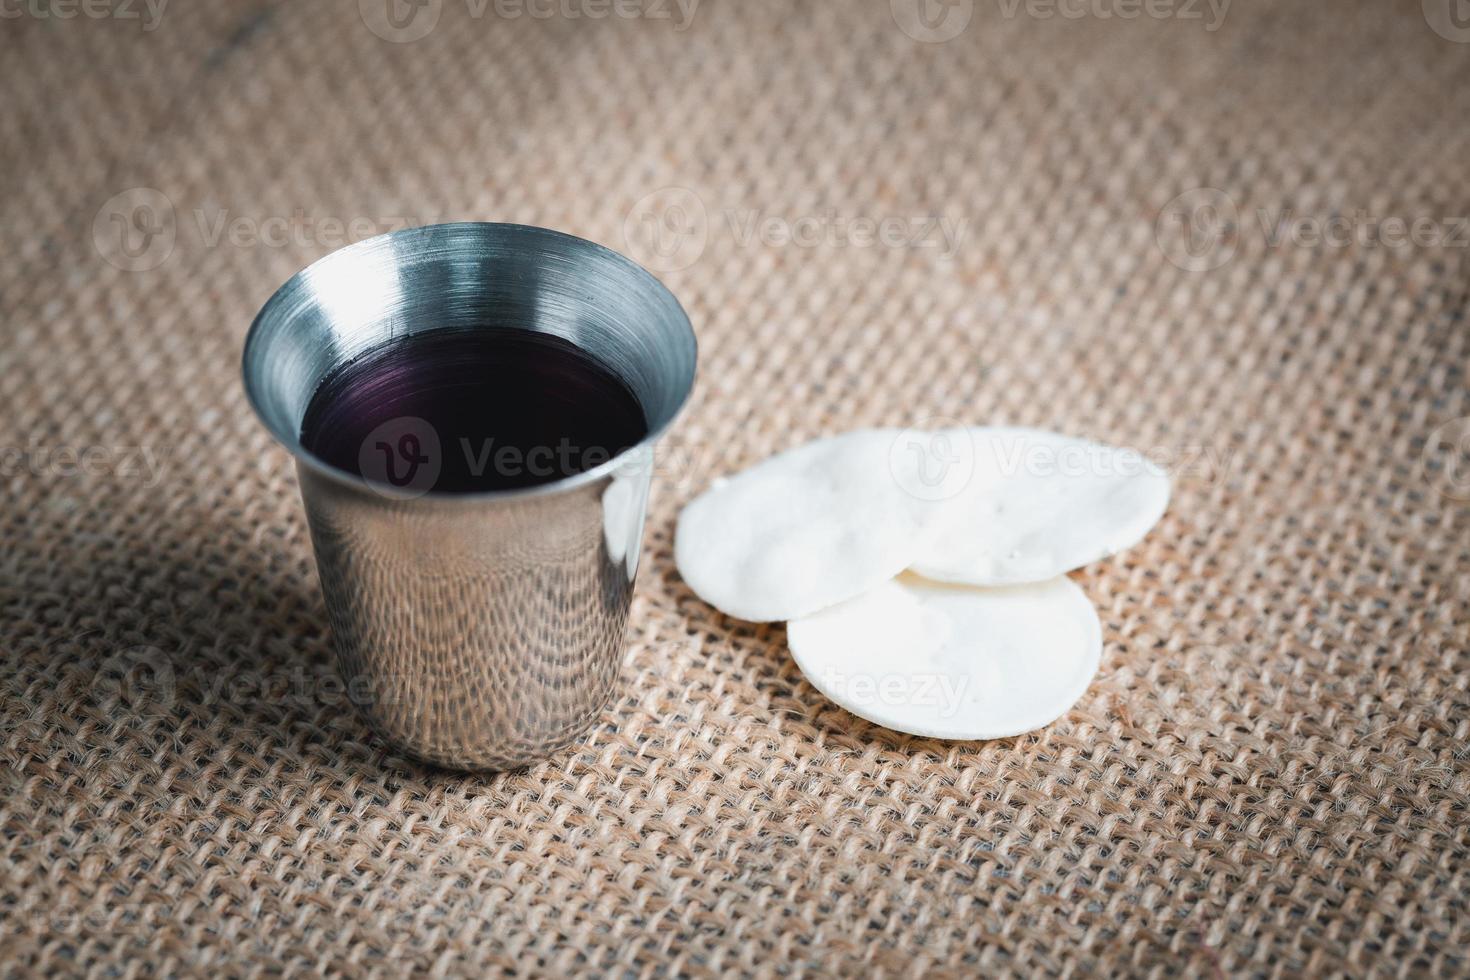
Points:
(482, 630)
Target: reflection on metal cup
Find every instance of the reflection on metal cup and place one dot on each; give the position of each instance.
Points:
(479, 630)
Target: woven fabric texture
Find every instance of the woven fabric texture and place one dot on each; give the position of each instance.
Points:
(1232, 235)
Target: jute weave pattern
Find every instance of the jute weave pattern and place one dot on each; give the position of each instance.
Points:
(1138, 229)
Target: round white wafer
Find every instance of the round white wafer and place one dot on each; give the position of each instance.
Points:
(1038, 505)
(953, 661)
(805, 529)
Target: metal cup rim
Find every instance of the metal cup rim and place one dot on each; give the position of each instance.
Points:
(292, 442)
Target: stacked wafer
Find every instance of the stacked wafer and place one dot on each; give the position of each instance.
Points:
(923, 574)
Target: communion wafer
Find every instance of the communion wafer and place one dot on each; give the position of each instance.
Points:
(953, 661)
(805, 529)
(1039, 504)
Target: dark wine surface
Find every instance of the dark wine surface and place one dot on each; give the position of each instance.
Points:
(467, 411)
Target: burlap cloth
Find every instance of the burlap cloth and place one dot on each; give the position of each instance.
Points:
(1268, 777)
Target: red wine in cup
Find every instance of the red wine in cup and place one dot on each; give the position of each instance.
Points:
(456, 411)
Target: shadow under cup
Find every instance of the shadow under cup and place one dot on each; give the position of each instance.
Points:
(480, 630)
